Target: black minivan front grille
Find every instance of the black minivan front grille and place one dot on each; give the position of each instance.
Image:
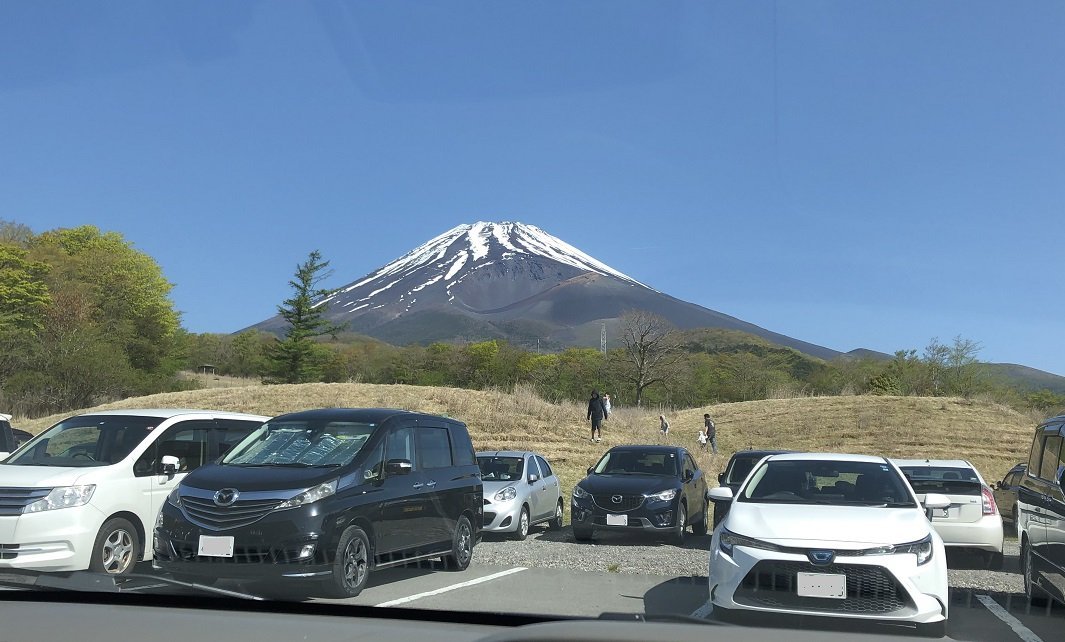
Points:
(204, 512)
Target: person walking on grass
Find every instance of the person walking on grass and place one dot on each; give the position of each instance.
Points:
(710, 430)
(597, 412)
(663, 424)
(606, 403)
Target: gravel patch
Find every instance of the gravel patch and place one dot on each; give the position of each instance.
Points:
(644, 555)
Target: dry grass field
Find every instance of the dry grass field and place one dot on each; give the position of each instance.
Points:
(993, 437)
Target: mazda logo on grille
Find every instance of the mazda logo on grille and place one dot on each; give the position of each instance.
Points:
(821, 557)
(616, 499)
(226, 497)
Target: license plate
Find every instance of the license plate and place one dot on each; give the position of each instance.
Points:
(823, 585)
(617, 520)
(215, 546)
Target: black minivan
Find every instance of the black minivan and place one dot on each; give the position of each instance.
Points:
(327, 495)
(1040, 514)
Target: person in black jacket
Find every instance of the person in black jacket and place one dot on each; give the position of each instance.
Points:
(597, 412)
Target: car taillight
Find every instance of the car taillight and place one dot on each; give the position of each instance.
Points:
(989, 502)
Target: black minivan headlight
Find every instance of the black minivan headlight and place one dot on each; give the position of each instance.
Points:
(311, 495)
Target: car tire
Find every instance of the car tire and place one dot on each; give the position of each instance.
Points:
(682, 523)
(461, 546)
(556, 522)
(1036, 596)
(700, 527)
(522, 531)
(117, 548)
(583, 534)
(351, 564)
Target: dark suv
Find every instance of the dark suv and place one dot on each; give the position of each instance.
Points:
(1040, 514)
(736, 470)
(327, 495)
(657, 489)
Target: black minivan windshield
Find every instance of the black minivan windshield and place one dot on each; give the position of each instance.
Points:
(301, 443)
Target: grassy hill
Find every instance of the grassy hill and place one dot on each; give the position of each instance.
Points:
(993, 437)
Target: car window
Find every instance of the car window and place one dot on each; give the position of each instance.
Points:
(188, 441)
(827, 482)
(373, 468)
(301, 443)
(434, 446)
(690, 463)
(462, 451)
(230, 432)
(400, 445)
(545, 468)
(87, 440)
(534, 468)
(495, 468)
(1048, 465)
(741, 467)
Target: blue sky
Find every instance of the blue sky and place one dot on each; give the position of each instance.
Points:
(849, 174)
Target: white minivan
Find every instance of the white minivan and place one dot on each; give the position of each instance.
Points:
(85, 493)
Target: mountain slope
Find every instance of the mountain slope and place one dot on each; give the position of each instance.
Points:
(509, 280)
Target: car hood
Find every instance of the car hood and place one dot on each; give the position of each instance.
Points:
(248, 478)
(628, 484)
(802, 525)
(44, 476)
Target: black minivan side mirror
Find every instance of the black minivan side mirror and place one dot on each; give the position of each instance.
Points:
(590, 469)
(398, 466)
(721, 479)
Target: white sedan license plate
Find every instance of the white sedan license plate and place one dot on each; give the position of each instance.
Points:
(823, 585)
(617, 520)
(215, 546)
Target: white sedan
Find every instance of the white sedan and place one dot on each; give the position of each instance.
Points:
(830, 535)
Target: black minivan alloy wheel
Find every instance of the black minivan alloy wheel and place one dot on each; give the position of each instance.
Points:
(351, 565)
(462, 547)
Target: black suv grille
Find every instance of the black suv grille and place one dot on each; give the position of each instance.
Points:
(14, 500)
(626, 503)
(205, 513)
(870, 589)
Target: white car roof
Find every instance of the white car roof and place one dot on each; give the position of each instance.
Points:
(943, 463)
(167, 413)
(504, 453)
(827, 457)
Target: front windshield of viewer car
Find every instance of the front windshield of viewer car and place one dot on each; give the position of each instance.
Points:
(609, 243)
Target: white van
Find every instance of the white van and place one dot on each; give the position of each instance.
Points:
(85, 493)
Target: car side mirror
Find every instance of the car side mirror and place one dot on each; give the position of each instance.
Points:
(533, 479)
(688, 476)
(720, 494)
(591, 469)
(398, 467)
(169, 465)
(721, 478)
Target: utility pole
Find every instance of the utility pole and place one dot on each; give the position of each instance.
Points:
(602, 338)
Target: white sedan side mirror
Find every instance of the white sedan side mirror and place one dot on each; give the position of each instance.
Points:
(720, 494)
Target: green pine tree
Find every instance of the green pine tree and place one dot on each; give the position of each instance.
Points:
(298, 358)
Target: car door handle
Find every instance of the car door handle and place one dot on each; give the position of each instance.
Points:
(431, 483)
(418, 485)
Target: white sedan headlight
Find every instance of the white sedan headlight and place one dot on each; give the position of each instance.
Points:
(62, 497)
(729, 540)
(506, 494)
(921, 548)
(311, 495)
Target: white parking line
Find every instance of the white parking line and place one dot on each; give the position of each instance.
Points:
(704, 611)
(453, 587)
(1021, 630)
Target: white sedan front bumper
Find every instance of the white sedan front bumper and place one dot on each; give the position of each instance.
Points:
(879, 587)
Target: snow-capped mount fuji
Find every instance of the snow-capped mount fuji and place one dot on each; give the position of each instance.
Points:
(508, 280)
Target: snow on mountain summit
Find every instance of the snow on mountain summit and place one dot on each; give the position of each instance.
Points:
(449, 258)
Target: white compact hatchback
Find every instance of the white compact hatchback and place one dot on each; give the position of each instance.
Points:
(972, 521)
(830, 535)
(85, 493)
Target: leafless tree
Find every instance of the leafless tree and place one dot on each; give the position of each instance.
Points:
(650, 352)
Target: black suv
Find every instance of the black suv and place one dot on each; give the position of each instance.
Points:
(1040, 514)
(658, 489)
(736, 470)
(327, 495)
